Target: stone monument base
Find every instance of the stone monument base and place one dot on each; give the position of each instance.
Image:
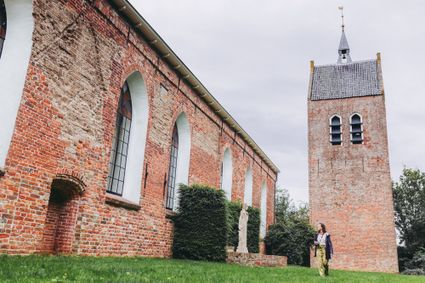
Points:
(249, 259)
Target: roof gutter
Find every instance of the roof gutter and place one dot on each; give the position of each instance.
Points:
(153, 38)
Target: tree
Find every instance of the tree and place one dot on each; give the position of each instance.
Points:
(409, 205)
(292, 234)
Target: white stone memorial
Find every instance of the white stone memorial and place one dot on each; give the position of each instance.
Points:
(243, 229)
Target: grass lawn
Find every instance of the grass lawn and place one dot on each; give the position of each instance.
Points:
(138, 269)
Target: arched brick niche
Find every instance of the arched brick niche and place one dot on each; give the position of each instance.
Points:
(62, 211)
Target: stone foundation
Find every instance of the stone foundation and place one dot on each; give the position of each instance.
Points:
(250, 259)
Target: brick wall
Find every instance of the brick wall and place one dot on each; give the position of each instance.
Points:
(82, 54)
(350, 184)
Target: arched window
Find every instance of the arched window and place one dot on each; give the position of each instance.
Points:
(172, 169)
(178, 171)
(356, 129)
(2, 24)
(248, 187)
(120, 144)
(14, 62)
(226, 173)
(263, 211)
(335, 130)
(128, 148)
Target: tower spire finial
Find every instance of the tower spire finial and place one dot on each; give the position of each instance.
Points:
(341, 8)
(344, 49)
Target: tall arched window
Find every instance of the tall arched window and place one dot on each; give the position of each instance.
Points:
(356, 129)
(2, 24)
(120, 144)
(178, 172)
(172, 169)
(248, 187)
(263, 211)
(335, 130)
(128, 149)
(226, 173)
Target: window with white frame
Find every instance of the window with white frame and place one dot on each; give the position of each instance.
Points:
(172, 169)
(335, 130)
(178, 170)
(129, 140)
(263, 211)
(248, 187)
(227, 173)
(356, 129)
(121, 140)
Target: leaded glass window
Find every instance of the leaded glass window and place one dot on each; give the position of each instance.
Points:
(2, 25)
(356, 129)
(335, 130)
(171, 187)
(119, 154)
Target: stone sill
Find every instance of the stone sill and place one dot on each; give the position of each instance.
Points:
(170, 213)
(121, 202)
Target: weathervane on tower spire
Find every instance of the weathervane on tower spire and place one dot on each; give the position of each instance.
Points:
(341, 8)
(344, 49)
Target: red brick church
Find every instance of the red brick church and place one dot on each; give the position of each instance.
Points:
(100, 122)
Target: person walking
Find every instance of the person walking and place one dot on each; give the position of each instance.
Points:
(323, 249)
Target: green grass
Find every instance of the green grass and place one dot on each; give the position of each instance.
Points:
(138, 269)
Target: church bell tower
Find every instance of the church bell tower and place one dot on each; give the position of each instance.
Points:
(349, 174)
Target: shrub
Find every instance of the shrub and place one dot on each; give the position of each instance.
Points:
(291, 239)
(416, 266)
(253, 229)
(200, 226)
(253, 241)
(233, 212)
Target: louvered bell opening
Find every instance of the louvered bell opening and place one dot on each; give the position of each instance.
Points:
(356, 134)
(336, 139)
(335, 129)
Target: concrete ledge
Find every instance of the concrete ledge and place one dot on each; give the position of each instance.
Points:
(249, 259)
(121, 202)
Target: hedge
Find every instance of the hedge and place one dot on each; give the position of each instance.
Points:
(253, 230)
(253, 237)
(200, 226)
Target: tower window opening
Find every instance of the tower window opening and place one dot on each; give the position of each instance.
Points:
(356, 126)
(335, 130)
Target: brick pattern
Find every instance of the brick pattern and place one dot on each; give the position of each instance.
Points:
(82, 54)
(250, 259)
(350, 184)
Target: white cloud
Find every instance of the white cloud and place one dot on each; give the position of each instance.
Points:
(254, 58)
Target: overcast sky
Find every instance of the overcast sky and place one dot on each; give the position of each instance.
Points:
(253, 56)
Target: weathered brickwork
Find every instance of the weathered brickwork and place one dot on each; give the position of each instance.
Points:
(250, 259)
(82, 54)
(350, 184)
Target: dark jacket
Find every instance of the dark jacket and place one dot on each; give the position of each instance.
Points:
(329, 248)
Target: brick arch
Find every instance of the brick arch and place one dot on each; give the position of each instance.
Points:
(62, 213)
(75, 182)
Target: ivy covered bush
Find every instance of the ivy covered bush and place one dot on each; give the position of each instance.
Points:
(253, 237)
(200, 225)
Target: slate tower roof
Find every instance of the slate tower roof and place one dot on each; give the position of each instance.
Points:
(346, 79)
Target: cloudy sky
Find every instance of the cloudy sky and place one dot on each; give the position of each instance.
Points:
(254, 57)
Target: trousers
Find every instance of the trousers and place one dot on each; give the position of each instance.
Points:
(323, 262)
